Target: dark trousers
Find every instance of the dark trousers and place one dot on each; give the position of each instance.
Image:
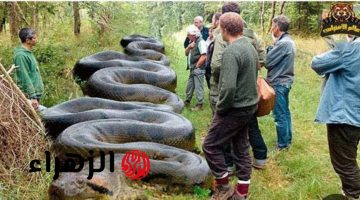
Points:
(343, 142)
(231, 127)
(256, 142)
(207, 78)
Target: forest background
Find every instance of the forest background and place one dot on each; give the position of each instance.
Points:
(68, 31)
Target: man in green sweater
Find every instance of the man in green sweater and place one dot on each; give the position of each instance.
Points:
(237, 104)
(257, 142)
(27, 75)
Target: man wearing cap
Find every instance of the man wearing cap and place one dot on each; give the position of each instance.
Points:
(196, 57)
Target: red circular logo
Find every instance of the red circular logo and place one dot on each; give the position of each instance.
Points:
(135, 164)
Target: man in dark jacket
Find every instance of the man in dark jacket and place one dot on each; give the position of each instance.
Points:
(27, 75)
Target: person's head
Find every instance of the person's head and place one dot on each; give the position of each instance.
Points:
(231, 7)
(280, 24)
(28, 36)
(231, 25)
(198, 22)
(215, 20)
(193, 32)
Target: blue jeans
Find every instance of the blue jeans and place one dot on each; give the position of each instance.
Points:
(282, 116)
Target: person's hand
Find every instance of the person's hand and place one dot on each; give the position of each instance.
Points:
(274, 38)
(191, 45)
(34, 103)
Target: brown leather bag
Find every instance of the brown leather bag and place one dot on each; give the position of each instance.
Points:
(266, 96)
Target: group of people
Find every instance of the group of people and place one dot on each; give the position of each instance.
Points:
(228, 55)
(229, 58)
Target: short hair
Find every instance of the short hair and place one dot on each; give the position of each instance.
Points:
(231, 7)
(217, 16)
(193, 30)
(199, 18)
(232, 23)
(282, 22)
(26, 33)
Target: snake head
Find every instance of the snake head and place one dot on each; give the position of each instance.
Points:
(67, 185)
(76, 186)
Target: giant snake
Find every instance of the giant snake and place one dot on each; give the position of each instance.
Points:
(131, 100)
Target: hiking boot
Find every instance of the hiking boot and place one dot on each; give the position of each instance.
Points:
(259, 164)
(197, 107)
(222, 192)
(238, 196)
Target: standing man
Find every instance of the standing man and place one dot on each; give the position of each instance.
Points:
(196, 53)
(27, 76)
(210, 48)
(339, 109)
(256, 140)
(199, 23)
(280, 66)
(236, 106)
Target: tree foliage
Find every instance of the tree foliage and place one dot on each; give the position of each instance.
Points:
(153, 18)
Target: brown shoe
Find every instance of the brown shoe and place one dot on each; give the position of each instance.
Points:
(222, 193)
(197, 107)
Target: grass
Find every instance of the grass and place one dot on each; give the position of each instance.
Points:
(304, 172)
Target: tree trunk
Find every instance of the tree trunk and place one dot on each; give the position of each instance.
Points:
(272, 15)
(307, 13)
(262, 17)
(103, 22)
(34, 16)
(77, 22)
(13, 16)
(282, 7)
(21, 16)
(299, 12)
(2, 25)
(2, 17)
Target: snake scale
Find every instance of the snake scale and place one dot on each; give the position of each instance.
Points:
(130, 105)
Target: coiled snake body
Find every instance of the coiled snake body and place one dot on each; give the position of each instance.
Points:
(145, 110)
